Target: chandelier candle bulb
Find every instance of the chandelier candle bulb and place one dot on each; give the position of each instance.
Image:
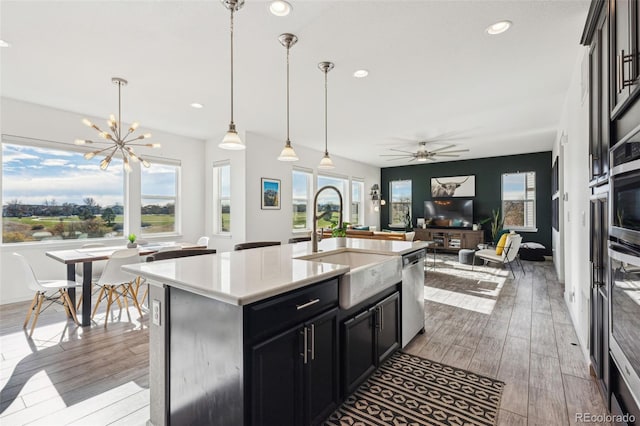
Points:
(117, 141)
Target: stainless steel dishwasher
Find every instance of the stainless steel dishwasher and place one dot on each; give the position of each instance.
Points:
(412, 295)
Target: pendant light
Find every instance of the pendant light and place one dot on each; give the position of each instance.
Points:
(231, 139)
(288, 154)
(326, 162)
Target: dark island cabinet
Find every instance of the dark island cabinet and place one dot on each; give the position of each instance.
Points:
(294, 375)
(370, 337)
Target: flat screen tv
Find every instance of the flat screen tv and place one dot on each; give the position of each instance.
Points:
(451, 213)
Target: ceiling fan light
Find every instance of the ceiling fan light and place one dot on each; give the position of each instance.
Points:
(288, 154)
(498, 28)
(326, 162)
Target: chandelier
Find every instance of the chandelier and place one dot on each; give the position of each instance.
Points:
(119, 139)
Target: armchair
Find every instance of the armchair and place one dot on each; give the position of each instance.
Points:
(509, 254)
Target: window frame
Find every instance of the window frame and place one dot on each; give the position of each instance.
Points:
(360, 201)
(345, 197)
(308, 201)
(65, 147)
(533, 201)
(392, 203)
(218, 198)
(177, 216)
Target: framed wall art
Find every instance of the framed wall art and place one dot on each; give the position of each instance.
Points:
(270, 194)
(456, 186)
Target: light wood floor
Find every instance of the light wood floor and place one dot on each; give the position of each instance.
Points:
(516, 330)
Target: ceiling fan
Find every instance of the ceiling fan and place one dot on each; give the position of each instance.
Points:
(423, 155)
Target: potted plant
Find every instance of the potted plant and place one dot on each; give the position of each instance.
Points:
(340, 233)
(132, 241)
(496, 224)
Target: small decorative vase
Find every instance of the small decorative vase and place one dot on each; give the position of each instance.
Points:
(132, 245)
(341, 241)
(475, 226)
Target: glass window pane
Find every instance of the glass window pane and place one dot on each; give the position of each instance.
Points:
(52, 194)
(400, 209)
(159, 179)
(518, 199)
(225, 216)
(301, 198)
(225, 182)
(157, 215)
(329, 201)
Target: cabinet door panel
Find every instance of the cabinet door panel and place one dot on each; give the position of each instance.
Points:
(388, 323)
(322, 367)
(620, 47)
(359, 350)
(276, 381)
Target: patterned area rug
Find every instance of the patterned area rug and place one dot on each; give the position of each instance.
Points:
(413, 391)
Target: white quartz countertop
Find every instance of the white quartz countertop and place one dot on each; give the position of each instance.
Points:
(247, 276)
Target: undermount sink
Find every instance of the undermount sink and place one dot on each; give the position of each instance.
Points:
(369, 274)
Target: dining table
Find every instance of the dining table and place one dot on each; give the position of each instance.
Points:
(87, 256)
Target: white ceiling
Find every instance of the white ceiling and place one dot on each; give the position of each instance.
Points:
(433, 70)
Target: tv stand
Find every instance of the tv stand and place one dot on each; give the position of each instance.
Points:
(450, 239)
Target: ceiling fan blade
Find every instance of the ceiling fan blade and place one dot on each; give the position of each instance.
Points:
(394, 159)
(446, 155)
(395, 155)
(442, 149)
(400, 150)
(455, 151)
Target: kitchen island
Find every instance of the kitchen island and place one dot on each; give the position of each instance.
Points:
(256, 336)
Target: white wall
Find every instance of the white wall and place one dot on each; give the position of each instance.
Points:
(35, 121)
(575, 124)
(262, 162)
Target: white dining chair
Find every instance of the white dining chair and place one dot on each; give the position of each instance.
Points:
(114, 282)
(53, 291)
(203, 241)
(96, 269)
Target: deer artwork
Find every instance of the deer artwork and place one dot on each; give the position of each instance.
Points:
(447, 189)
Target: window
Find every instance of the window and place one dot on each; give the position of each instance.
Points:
(159, 186)
(400, 207)
(519, 200)
(301, 197)
(55, 194)
(222, 197)
(328, 201)
(357, 201)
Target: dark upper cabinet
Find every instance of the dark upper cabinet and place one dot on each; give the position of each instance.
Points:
(621, 55)
(599, 129)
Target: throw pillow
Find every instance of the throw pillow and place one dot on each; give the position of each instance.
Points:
(501, 244)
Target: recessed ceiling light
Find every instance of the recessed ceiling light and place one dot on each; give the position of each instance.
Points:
(4, 43)
(197, 105)
(361, 73)
(280, 8)
(499, 27)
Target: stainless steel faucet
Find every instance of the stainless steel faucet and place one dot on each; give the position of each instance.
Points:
(316, 216)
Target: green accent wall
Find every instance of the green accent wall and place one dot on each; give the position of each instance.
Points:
(488, 173)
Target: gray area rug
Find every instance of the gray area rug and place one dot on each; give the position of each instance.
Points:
(409, 390)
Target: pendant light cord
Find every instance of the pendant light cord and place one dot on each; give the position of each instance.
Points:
(233, 6)
(288, 47)
(326, 151)
(119, 111)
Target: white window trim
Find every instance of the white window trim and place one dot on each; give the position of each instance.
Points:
(217, 231)
(391, 203)
(533, 228)
(177, 199)
(361, 200)
(346, 198)
(309, 201)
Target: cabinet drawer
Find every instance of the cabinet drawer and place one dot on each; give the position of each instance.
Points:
(291, 308)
